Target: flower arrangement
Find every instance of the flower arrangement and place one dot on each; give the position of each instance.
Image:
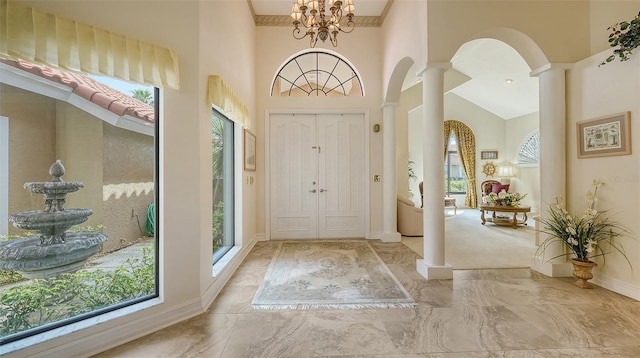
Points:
(582, 235)
(506, 199)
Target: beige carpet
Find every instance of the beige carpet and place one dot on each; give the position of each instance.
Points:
(342, 274)
(471, 245)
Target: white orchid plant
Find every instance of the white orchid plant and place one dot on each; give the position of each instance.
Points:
(582, 235)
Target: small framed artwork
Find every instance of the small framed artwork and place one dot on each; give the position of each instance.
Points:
(604, 136)
(249, 151)
(489, 154)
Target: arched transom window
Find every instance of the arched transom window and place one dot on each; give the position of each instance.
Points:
(529, 154)
(317, 73)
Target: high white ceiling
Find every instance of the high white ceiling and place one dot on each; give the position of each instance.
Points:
(489, 64)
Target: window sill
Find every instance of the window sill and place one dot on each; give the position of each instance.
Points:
(225, 260)
(61, 332)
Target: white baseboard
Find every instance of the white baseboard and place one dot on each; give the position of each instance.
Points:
(618, 286)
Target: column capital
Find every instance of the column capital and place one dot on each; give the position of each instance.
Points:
(444, 66)
(550, 66)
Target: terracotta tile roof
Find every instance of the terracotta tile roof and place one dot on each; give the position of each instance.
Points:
(90, 89)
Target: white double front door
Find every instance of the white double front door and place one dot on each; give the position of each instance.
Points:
(317, 175)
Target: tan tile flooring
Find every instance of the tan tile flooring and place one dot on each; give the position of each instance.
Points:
(480, 313)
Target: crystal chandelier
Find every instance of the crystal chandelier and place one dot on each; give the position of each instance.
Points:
(318, 24)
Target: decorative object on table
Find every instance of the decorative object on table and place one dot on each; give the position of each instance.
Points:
(582, 235)
(489, 154)
(335, 274)
(625, 36)
(605, 136)
(489, 169)
(504, 198)
(249, 151)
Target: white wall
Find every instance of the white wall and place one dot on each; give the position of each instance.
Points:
(526, 180)
(595, 92)
(274, 45)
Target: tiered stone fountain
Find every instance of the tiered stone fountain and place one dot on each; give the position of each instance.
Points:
(54, 251)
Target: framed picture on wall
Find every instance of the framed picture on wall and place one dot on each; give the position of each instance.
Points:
(489, 154)
(249, 151)
(604, 136)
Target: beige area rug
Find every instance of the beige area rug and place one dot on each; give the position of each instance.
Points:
(471, 245)
(340, 274)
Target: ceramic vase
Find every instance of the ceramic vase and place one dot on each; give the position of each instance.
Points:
(582, 271)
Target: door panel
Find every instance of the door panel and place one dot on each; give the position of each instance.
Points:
(341, 175)
(294, 208)
(317, 176)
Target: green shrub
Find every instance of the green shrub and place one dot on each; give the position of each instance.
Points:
(43, 301)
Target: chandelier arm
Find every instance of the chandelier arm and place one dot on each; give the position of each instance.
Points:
(350, 26)
(296, 32)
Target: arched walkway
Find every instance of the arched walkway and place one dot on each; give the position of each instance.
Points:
(552, 115)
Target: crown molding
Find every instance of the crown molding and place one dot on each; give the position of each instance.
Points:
(284, 20)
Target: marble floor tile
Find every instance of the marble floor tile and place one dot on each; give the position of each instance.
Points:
(202, 336)
(508, 313)
(464, 329)
(348, 332)
(273, 334)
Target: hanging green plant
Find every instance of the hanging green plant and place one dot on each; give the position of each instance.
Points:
(625, 36)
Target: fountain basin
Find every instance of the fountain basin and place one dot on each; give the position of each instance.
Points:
(54, 187)
(50, 223)
(32, 260)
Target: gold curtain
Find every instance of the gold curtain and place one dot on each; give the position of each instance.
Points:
(220, 95)
(35, 35)
(467, 150)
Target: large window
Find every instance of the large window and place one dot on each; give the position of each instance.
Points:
(80, 239)
(222, 173)
(455, 181)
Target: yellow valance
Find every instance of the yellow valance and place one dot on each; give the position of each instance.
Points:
(34, 35)
(221, 96)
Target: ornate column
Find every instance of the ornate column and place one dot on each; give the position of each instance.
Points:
(389, 188)
(433, 265)
(552, 157)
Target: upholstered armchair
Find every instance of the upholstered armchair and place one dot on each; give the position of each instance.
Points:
(409, 218)
(489, 186)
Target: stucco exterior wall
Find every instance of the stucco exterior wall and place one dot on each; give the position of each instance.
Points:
(78, 144)
(31, 146)
(128, 183)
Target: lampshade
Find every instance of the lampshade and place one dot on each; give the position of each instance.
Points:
(505, 171)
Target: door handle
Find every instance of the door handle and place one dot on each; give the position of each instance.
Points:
(322, 190)
(313, 190)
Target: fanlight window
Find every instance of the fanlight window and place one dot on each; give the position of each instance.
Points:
(317, 73)
(529, 154)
